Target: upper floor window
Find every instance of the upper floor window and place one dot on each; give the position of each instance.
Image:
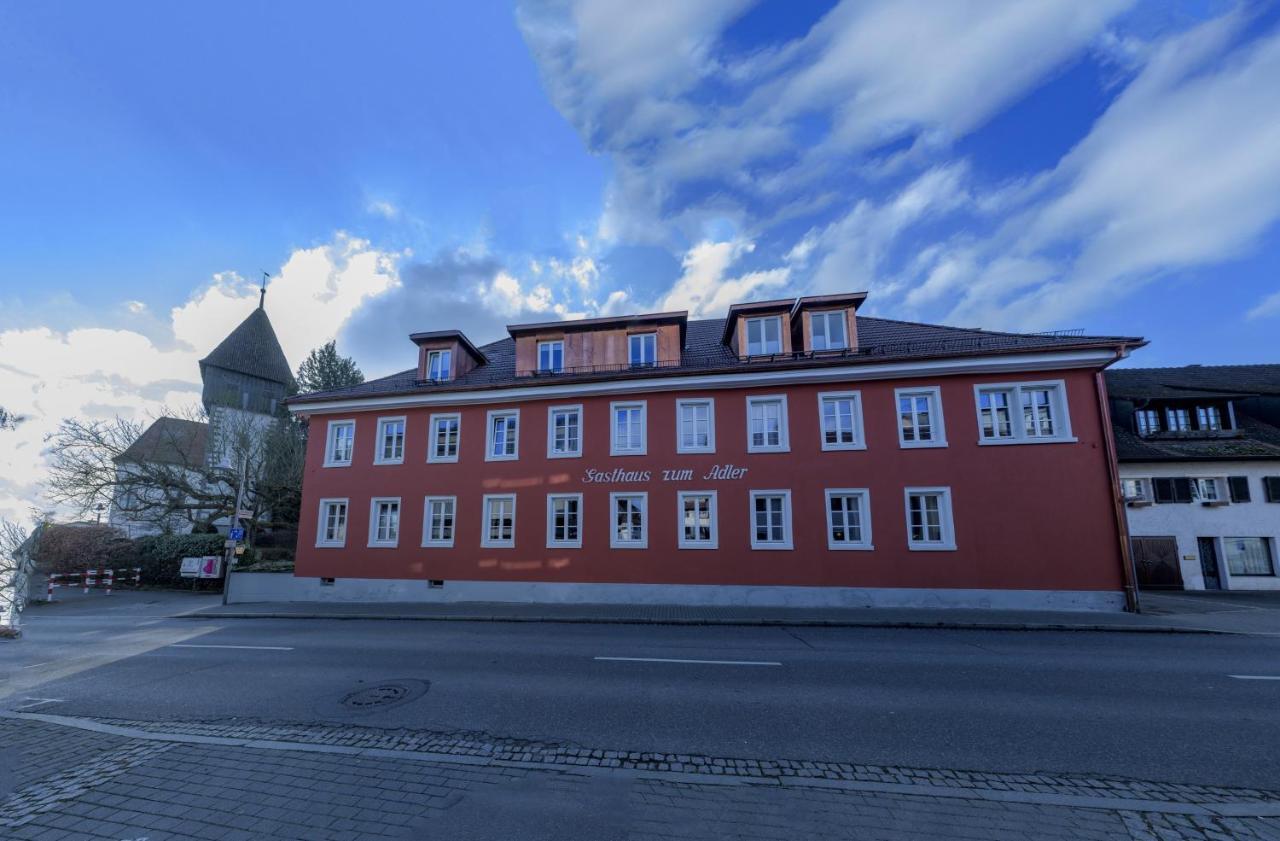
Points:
(767, 424)
(438, 366)
(438, 516)
(695, 426)
(446, 432)
(333, 523)
(503, 442)
(1209, 417)
(384, 521)
(564, 431)
(929, 524)
(390, 441)
(1134, 490)
(1177, 419)
(1207, 490)
(551, 357)
(841, 419)
(764, 335)
(829, 330)
(642, 349)
(1023, 413)
(627, 434)
(771, 519)
(340, 443)
(1147, 420)
(920, 417)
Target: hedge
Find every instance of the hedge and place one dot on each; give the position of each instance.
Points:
(160, 555)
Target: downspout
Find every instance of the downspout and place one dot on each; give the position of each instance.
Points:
(1117, 501)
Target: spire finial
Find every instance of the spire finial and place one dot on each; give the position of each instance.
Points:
(262, 297)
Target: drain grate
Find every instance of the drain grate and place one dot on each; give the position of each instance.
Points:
(389, 693)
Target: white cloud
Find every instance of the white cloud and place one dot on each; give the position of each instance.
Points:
(1266, 308)
(704, 290)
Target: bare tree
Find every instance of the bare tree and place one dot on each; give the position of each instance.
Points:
(8, 420)
(17, 559)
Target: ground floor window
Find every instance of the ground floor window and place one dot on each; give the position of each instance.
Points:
(1248, 555)
(929, 519)
(848, 519)
(384, 522)
(630, 528)
(333, 523)
(771, 519)
(564, 521)
(697, 512)
(499, 521)
(438, 520)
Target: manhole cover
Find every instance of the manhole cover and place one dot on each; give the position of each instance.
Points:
(386, 694)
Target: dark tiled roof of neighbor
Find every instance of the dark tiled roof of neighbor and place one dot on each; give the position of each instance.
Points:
(879, 340)
(170, 441)
(253, 349)
(1193, 381)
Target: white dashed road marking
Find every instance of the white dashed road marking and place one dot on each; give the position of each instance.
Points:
(244, 647)
(1255, 677)
(701, 662)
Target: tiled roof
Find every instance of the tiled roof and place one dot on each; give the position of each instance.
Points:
(170, 441)
(253, 349)
(1193, 381)
(879, 340)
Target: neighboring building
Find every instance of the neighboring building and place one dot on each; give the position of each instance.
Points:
(1199, 453)
(792, 453)
(246, 379)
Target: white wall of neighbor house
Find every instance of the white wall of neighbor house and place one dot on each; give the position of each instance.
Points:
(1189, 521)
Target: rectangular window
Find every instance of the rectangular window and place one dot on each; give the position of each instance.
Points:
(771, 519)
(630, 526)
(564, 431)
(767, 425)
(1248, 555)
(920, 417)
(1147, 421)
(627, 433)
(438, 519)
(551, 357)
(446, 433)
(828, 330)
(332, 530)
(1207, 490)
(840, 416)
(848, 518)
(1043, 408)
(503, 439)
(499, 521)
(1239, 486)
(1271, 487)
(390, 441)
(1178, 420)
(340, 444)
(1171, 489)
(564, 521)
(697, 516)
(384, 521)
(764, 336)
(438, 365)
(695, 426)
(1209, 417)
(929, 523)
(1134, 490)
(642, 349)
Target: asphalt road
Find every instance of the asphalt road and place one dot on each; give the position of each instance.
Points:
(1158, 707)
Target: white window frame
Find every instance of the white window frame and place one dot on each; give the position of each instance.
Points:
(948, 542)
(329, 461)
(841, 316)
(1062, 416)
(938, 426)
(859, 440)
(787, 542)
(432, 458)
(552, 543)
(864, 509)
(374, 543)
(642, 337)
(746, 327)
(552, 411)
(643, 542)
(784, 431)
(378, 457)
(550, 343)
(684, 542)
(485, 541)
(488, 434)
(426, 522)
(710, 403)
(446, 355)
(1221, 487)
(643, 406)
(1144, 489)
(321, 541)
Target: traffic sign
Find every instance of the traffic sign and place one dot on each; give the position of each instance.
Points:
(236, 534)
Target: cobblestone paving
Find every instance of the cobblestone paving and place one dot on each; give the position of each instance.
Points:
(134, 788)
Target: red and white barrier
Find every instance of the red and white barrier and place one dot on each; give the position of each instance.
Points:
(92, 578)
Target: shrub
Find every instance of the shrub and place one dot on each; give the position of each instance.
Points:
(160, 555)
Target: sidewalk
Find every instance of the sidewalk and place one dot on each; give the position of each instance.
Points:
(1168, 620)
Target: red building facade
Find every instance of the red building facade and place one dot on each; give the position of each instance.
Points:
(793, 453)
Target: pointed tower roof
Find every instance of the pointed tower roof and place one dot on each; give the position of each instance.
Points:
(253, 349)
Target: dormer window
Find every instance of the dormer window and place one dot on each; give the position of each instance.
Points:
(642, 350)
(1177, 419)
(551, 357)
(1148, 421)
(1209, 417)
(764, 336)
(438, 365)
(828, 330)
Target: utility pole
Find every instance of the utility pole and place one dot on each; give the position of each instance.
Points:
(230, 550)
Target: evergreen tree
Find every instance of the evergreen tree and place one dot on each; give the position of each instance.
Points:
(324, 369)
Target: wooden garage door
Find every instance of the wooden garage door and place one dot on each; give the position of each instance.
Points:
(1156, 559)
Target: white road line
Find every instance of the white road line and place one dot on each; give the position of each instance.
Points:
(149, 622)
(702, 662)
(244, 647)
(1255, 677)
(30, 703)
(36, 665)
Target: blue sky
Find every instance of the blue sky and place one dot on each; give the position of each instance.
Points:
(1111, 165)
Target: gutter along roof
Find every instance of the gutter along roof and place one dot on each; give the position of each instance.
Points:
(880, 340)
